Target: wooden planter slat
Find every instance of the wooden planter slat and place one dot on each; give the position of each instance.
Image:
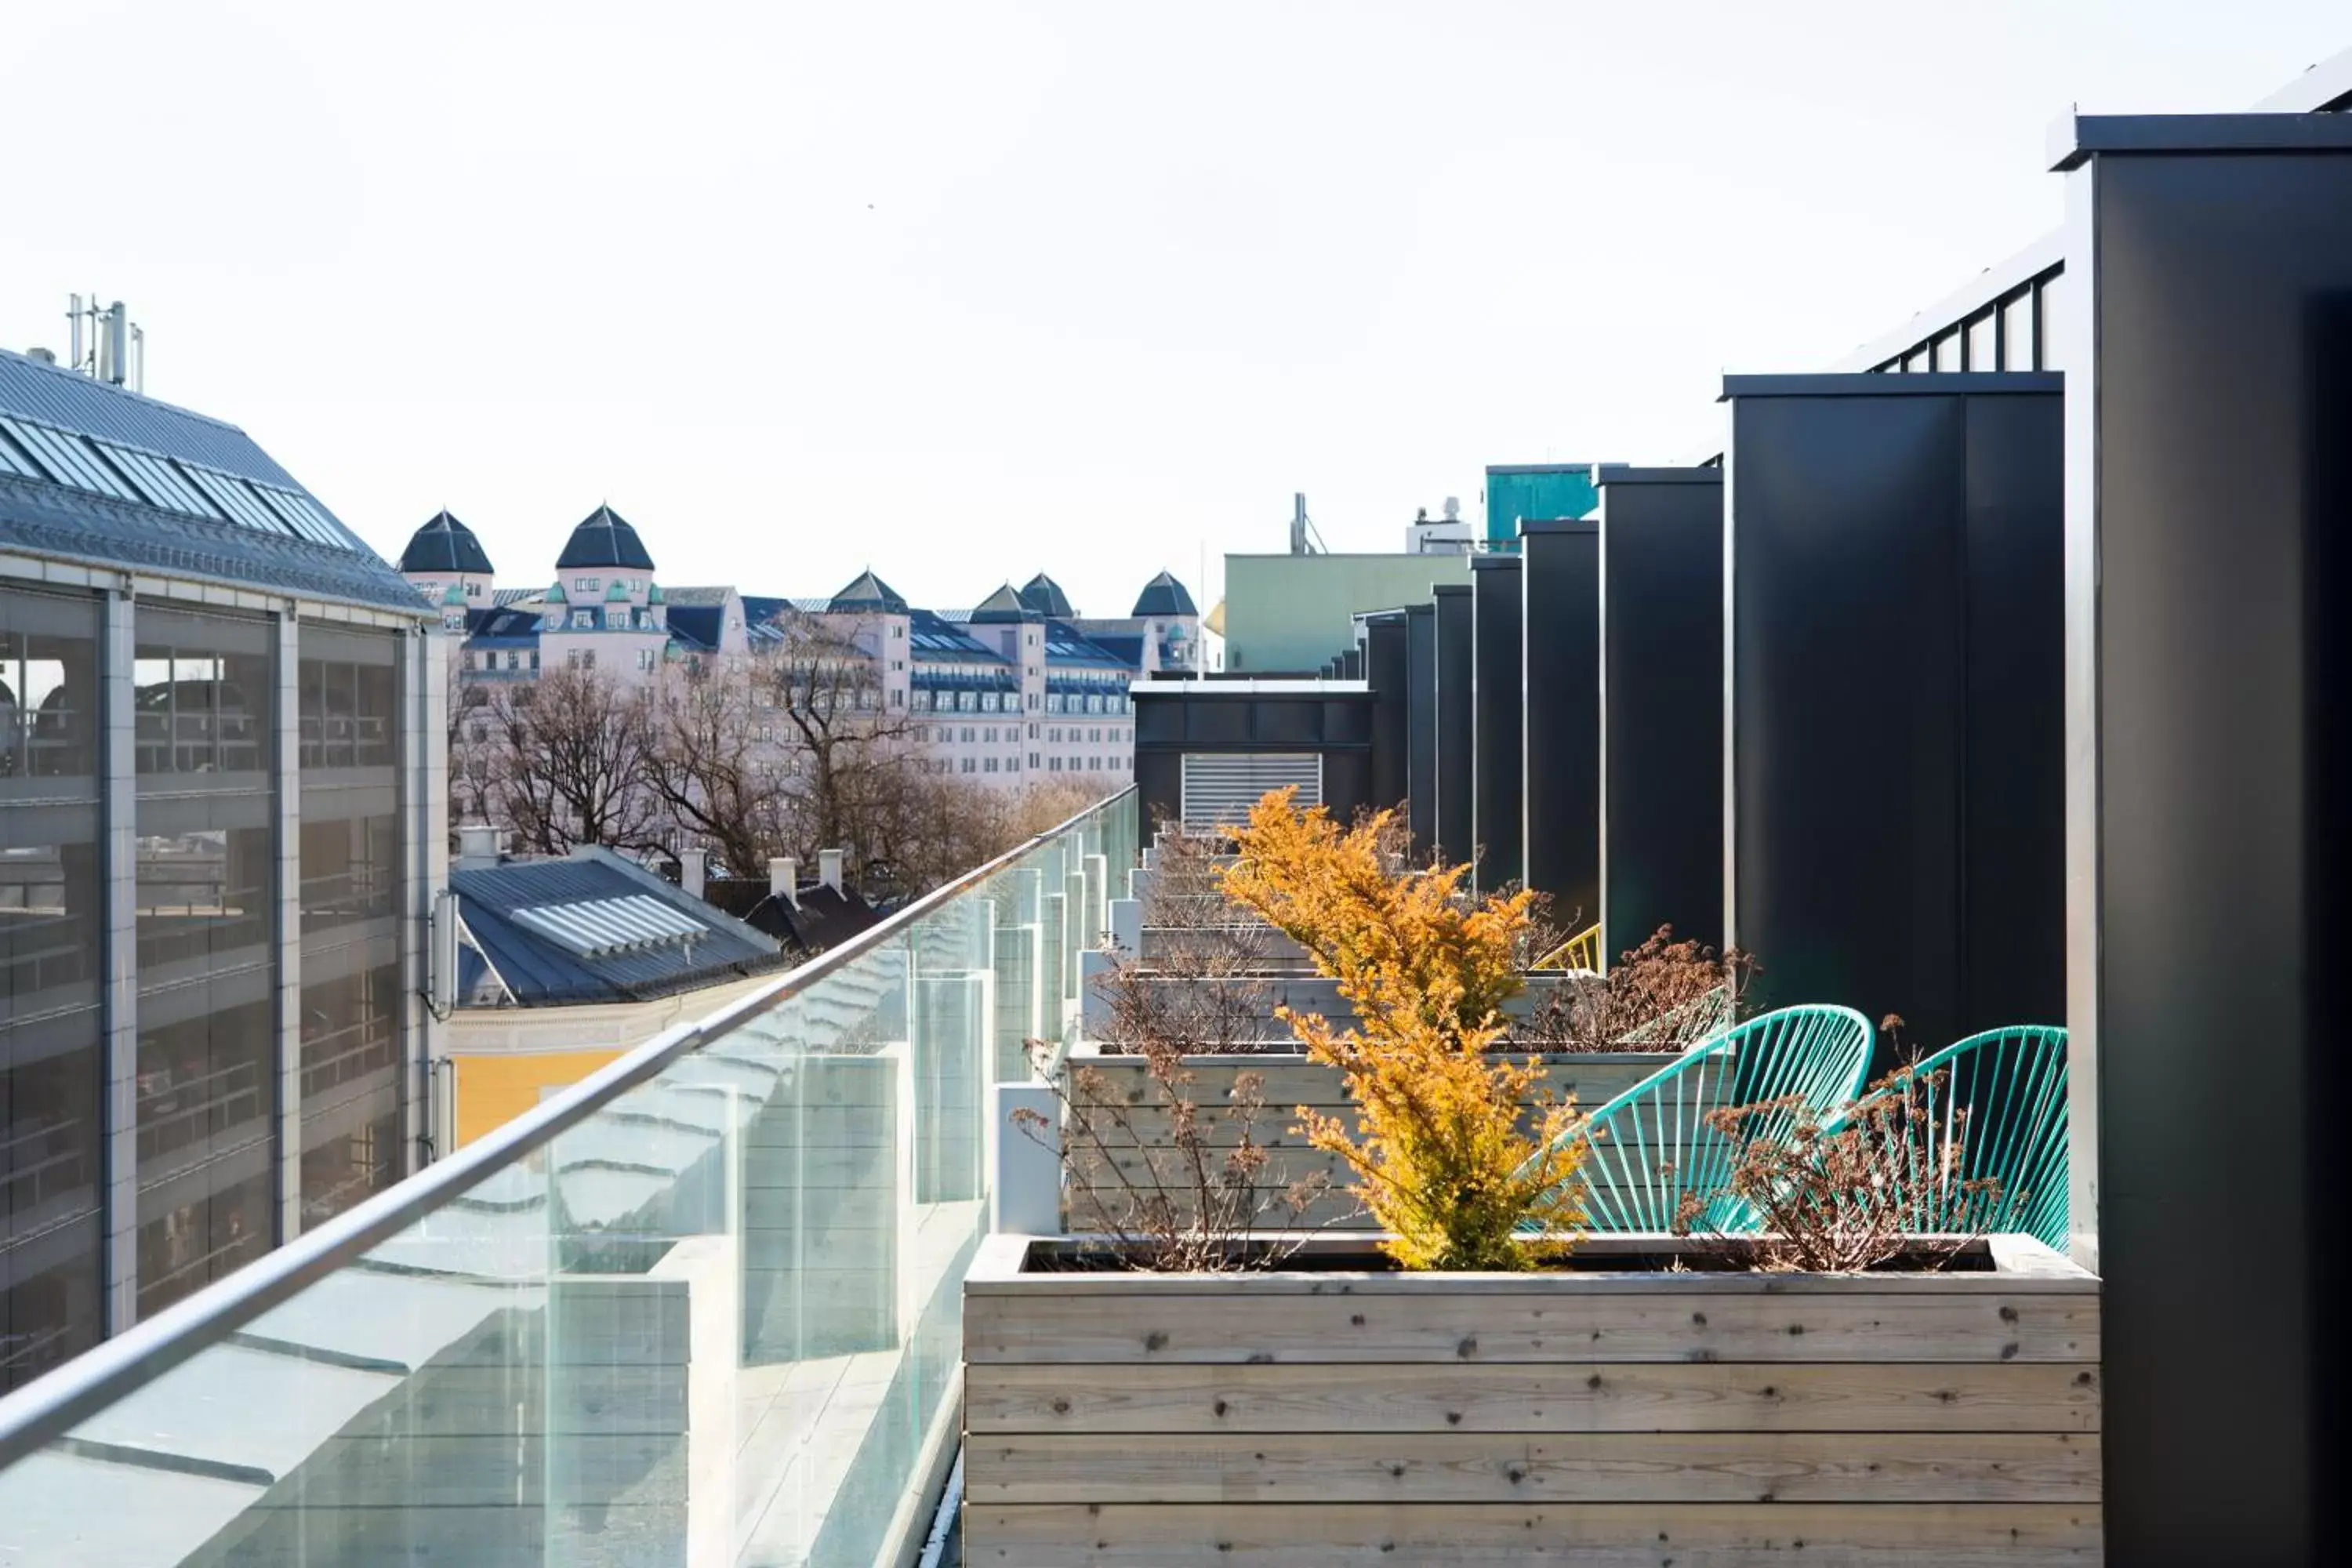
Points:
(1580, 1397)
(1636, 1536)
(1469, 1466)
(1336, 1415)
(1653, 1326)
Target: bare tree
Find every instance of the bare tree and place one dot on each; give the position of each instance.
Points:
(713, 775)
(854, 753)
(569, 767)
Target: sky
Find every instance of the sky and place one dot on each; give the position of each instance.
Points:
(966, 291)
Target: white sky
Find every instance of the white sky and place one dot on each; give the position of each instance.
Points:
(966, 290)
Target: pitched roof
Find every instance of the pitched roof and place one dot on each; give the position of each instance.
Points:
(1163, 596)
(823, 918)
(444, 544)
(1044, 596)
(1004, 605)
(596, 927)
(935, 638)
(93, 473)
(1066, 645)
(868, 593)
(697, 625)
(604, 538)
(695, 596)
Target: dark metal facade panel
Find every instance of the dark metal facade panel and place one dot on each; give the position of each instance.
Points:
(1498, 726)
(1456, 731)
(1337, 725)
(2208, 848)
(2080, 137)
(1385, 664)
(1662, 705)
(1421, 723)
(1917, 384)
(2013, 827)
(1559, 582)
(1859, 649)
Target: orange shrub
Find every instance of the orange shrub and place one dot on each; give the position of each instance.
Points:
(1438, 1153)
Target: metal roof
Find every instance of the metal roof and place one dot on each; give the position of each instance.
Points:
(596, 927)
(1163, 596)
(936, 639)
(444, 544)
(90, 472)
(869, 592)
(605, 538)
(1044, 596)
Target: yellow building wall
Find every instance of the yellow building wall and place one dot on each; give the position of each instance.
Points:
(494, 1090)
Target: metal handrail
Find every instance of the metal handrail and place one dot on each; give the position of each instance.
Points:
(53, 1404)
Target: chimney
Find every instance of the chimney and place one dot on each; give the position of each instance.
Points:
(690, 864)
(477, 847)
(784, 879)
(828, 869)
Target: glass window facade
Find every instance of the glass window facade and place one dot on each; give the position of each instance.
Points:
(52, 1050)
(348, 721)
(204, 719)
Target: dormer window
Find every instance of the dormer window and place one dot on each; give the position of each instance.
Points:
(584, 619)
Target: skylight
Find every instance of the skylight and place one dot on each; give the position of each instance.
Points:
(602, 927)
(84, 463)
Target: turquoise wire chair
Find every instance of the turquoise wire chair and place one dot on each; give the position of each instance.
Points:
(2003, 1095)
(1652, 1145)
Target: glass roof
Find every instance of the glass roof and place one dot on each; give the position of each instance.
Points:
(168, 484)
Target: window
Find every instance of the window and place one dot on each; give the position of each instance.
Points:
(514, 660)
(1033, 731)
(987, 765)
(585, 585)
(52, 1057)
(588, 659)
(584, 619)
(645, 659)
(1033, 761)
(1054, 703)
(966, 764)
(897, 631)
(1053, 766)
(572, 659)
(967, 734)
(897, 699)
(535, 661)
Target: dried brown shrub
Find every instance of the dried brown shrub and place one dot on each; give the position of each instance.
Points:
(1664, 995)
(1168, 1185)
(1885, 1185)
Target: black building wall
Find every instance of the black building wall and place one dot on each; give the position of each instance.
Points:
(1385, 664)
(1421, 723)
(1454, 727)
(1497, 724)
(1196, 717)
(1560, 582)
(2208, 344)
(1897, 737)
(1661, 704)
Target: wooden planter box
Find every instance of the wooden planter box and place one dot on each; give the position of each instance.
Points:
(1328, 1417)
(1292, 1082)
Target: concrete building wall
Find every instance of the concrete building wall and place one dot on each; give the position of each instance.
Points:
(1287, 615)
